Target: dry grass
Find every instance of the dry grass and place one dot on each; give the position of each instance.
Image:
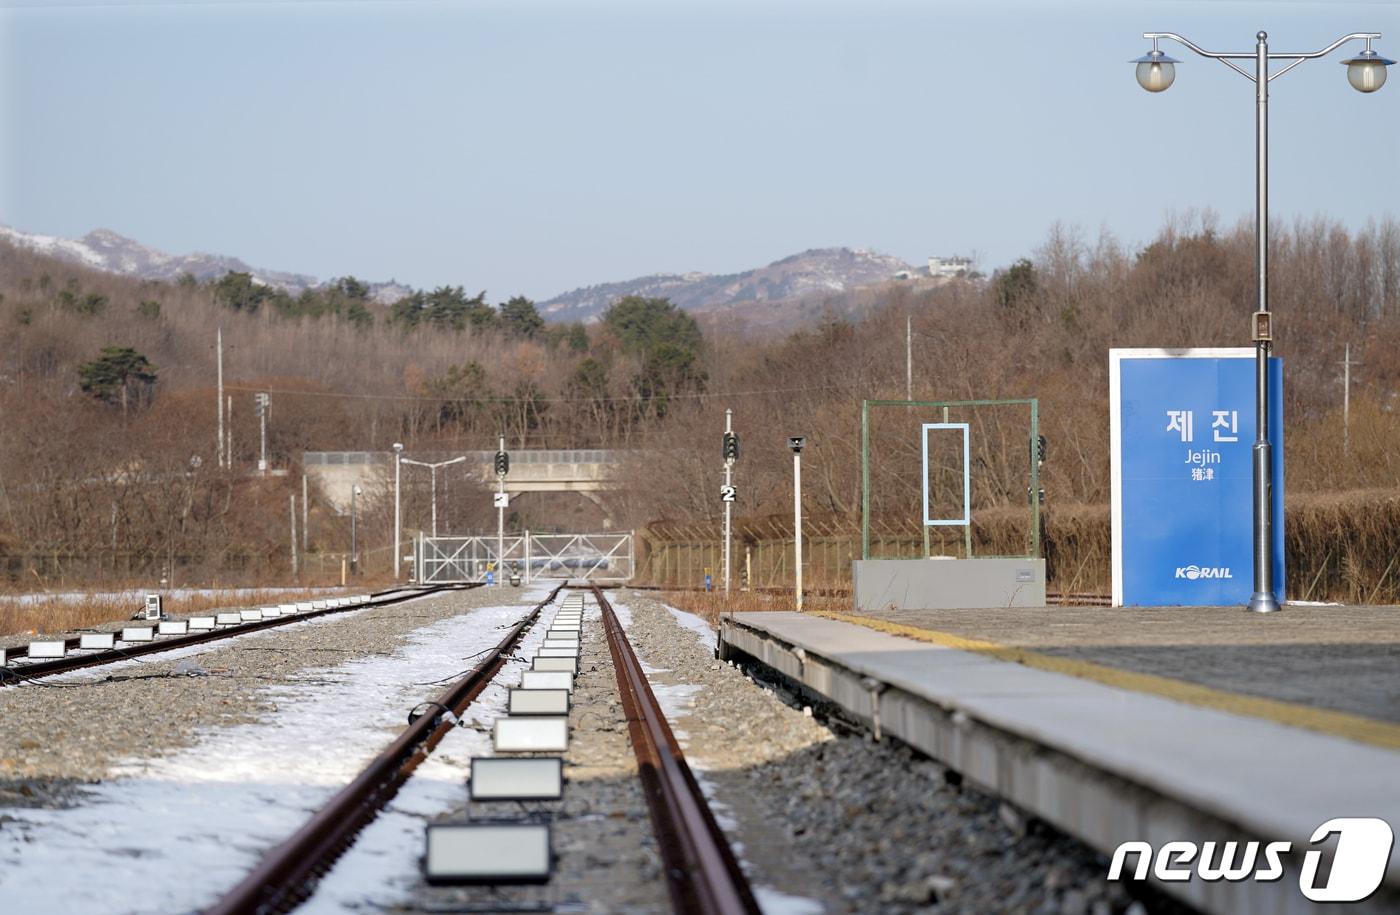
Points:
(67, 613)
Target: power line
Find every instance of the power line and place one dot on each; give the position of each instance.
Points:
(495, 400)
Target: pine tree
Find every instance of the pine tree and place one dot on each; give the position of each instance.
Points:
(114, 373)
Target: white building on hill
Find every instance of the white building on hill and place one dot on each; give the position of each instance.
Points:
(949, 267)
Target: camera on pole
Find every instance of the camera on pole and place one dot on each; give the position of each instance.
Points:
(1038, 449)
(731, 446)
(502, 463)
(796, 442)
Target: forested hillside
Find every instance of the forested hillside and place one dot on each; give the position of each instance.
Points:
(108, 399)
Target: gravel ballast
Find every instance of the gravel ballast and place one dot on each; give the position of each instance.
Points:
(847, 823)
(605, 851)
(75, 727)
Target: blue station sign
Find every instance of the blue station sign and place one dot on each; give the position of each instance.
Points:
(1182, 435)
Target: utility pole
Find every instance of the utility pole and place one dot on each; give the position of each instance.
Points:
(305, 518)
(398, 513)
(795, 443)
(220, 396)
(263, 404)
(354, 540)
(727, 493)
(502, 468)
(228, 436)
(293, 498)
(908, 357)
(1346, 400)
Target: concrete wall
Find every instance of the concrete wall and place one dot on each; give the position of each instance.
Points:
(943, 584)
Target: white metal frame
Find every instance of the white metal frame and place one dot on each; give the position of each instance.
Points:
(966, 519)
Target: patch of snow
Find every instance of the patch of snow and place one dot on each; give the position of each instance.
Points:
(382, 867)
(209, 812)
(695, 624)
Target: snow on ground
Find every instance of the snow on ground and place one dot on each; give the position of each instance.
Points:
(170, 835)
(383, 865)
(708, 637)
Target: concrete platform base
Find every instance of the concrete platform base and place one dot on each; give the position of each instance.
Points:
(1105, 764)
(947, 584)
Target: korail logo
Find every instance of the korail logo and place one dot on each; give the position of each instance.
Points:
(1358, 864)
(1195, 572)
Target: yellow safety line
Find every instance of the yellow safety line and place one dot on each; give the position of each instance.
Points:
(1337, 724)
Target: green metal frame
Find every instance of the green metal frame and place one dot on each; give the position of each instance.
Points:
(945, 405)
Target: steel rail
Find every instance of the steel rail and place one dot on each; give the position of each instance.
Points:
(287, 875)
(11, 676)
(702, 874)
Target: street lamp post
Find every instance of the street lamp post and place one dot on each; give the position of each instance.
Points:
(433, 468)
(398, 512)
(1366, 72)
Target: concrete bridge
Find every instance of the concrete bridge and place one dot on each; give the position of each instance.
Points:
(583, 471)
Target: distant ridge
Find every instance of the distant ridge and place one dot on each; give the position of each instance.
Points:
(818, 270)
(103, 249)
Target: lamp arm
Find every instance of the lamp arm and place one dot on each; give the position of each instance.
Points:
(1299, 58)
(1226, 58)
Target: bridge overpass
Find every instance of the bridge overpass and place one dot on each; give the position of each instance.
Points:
(581, 471)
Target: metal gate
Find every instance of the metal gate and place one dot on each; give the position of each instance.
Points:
(605, 557)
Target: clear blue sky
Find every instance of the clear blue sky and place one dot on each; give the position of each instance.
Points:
(524, 146)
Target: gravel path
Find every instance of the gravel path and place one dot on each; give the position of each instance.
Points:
(849, 824)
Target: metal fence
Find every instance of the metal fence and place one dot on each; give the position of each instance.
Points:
(601, 557)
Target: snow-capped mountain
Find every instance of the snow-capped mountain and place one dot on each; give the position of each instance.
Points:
(103, 249)
(819, 270)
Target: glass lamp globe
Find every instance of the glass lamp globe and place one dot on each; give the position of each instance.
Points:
(1367, 71)
(1155, 71)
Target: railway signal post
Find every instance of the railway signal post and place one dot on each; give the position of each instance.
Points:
(502, 468)
(795, 443)
(727, 493)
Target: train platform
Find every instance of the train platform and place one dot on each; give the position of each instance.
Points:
(1132, 725)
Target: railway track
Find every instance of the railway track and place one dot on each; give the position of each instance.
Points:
(703, 875)
(74, 653)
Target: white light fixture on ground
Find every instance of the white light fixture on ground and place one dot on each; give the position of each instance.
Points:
(45, 650)
(569, 665)
(529, 735)
(202, 622)
(569, 652)
(487, 853)
(250, 616)
(138, 634)
(539, 702)
(231, 618)
(546, 679)
(504, 778)
(173, 627)
(97, 641)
